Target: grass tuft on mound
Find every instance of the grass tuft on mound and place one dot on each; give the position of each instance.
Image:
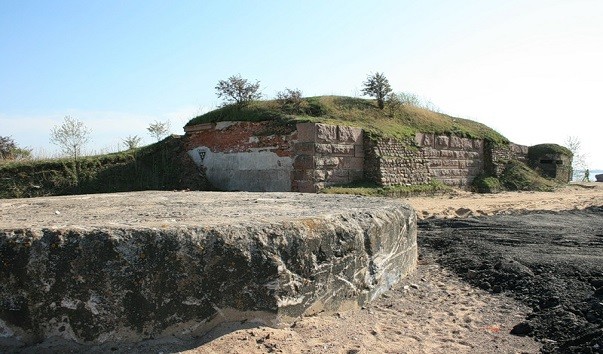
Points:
(365, 188)
(401, 122)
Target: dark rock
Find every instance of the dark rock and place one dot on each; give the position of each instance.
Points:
(521, 329)
(599, 177)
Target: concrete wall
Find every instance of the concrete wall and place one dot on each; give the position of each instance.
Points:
(123, 271)
(245, 156)
(254, 171)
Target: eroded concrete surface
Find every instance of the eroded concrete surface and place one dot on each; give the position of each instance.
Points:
(133, 266)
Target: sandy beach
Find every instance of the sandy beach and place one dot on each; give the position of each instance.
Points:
(432, 311)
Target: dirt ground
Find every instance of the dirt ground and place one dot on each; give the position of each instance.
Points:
(466, 296)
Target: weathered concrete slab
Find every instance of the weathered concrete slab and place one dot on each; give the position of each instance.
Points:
(132, 266)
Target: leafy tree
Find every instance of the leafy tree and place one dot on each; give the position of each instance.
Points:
(132, 142)
(377, 85)
(158, 130)
(70, 136)
(237, 90)
(7, 146)
(10, 151)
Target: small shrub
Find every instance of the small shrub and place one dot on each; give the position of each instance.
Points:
(291, 101)
(487, 184)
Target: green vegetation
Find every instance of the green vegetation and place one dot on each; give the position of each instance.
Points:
(517, 176)
(155, 166)
(372, 189)
(377, 85)
(487, 184)
(537, 151)
(402, 123)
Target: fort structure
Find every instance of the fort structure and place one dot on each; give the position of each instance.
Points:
(306, 157)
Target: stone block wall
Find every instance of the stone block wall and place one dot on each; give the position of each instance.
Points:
(306, 157)
(497, 155)
(326, 155)
(392, 162)
(453, 160)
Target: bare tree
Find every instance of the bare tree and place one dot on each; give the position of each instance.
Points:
(377, 85)
(291, 100)
(237, 90)
(158, 130)
(70, 136)
(579, 163)
(132, 142)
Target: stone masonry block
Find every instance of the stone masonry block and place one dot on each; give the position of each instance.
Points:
(349, 134)
(455, 142)
(467, 143)
(343, 150)
(352, 163)
(306, 132)
(326, 133)
(303, 162)
(304, 148)
(426, 140)
(326, 162)
(323, 149)
(358, 151)
(442, 142)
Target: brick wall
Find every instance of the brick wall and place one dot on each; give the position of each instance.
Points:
(248, 156)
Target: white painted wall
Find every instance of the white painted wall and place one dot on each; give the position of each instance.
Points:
(254, 171)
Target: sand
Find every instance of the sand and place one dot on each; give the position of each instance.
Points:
(432, 311)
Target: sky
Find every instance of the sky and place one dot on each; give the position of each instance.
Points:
(530, 69)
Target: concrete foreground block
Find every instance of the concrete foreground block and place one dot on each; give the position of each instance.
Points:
(132, 266)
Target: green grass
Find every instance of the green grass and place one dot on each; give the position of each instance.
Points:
(517, 176)
(156, 166)
(374, 190)
(401, 123)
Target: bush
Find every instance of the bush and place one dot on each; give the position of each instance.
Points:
(291, 101)
(487, 184)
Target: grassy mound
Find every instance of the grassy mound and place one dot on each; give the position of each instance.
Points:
(400, 122)
(517, 176)
(372, 189)
(155, 166)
